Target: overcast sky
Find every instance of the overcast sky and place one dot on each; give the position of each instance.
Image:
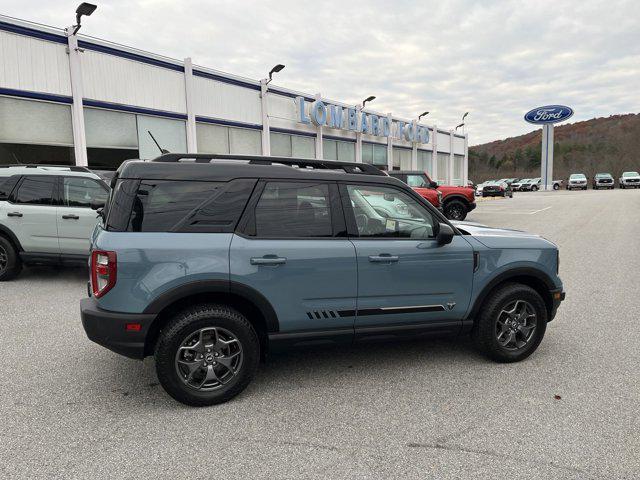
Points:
(496, 60)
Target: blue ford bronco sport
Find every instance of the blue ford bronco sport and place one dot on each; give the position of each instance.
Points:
(207, 262)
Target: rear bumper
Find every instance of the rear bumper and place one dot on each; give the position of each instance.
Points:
(109, 329)
(557, 297)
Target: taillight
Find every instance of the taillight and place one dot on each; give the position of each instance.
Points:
(104, 269)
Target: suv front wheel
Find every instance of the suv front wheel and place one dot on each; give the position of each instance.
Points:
(208, 354)
(511, 324)
(10, 263)
(455, 210)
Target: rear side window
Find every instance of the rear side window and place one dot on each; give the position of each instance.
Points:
(159, 205)
(6, 185)
(35, 190)
(293, 210)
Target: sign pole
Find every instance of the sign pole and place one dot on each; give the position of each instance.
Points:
(546, 164)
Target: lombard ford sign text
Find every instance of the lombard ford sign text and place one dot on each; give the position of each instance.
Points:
(348, 118)
(548, 114)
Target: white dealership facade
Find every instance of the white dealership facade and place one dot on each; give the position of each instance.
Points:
(68, 99)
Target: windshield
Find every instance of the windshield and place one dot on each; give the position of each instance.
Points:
(603, 175)
(577, 176)
(630, 174)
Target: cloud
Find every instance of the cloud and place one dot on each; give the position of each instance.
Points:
(494, 59)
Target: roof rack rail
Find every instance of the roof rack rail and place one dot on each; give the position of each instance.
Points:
(72, 168)
(348, 167)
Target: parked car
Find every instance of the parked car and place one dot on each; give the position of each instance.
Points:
(577, 180)
(497, 189)
(208, 266)
(603, 180)
(423, 186)
(456, 202)
(629, 180)
(531, 185)
(479, 187)
(46, 215)
(517, 184)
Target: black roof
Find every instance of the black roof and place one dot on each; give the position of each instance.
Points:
(203, 167)
(407, 172)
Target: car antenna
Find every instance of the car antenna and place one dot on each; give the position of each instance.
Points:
(162, 150)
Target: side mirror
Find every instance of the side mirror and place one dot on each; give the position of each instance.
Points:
(433, 184)
(445, 234)
(389, 197)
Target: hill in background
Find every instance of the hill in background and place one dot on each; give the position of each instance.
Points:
(609, 144)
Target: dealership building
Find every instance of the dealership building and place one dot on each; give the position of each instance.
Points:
(71, 99)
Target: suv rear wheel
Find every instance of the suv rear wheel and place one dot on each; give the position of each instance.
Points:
(10, 263)
(207, 355)
(455, 210)
(511, 324)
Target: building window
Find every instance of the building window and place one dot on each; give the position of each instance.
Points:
(443, 168)
(228, 140)
(401, 158)
(35, 132)
(169, 133)
(425, 161)
(458, 163)
(112, 137)
(337, 150)
(297, 146)
(374, 154)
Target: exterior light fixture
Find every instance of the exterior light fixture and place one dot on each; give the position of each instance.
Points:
(368, 99)
(464, 116)
(84, 9)
(423, 114)
(276, 69)
(461, 125)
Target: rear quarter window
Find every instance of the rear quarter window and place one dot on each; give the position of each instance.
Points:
(177, 206)
(6, 186)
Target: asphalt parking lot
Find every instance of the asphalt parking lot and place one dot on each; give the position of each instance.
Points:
(71, 409)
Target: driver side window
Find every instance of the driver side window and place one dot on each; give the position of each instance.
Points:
(384, 212)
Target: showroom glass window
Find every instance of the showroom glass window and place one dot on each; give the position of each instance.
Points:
(35, 132)
(293, 210)
(374, 154)
(401, 158)
(297, 146)
(458, 162)
(385, 212)
(338, 150)
(425, 161)
(443, 168)
(228, 140)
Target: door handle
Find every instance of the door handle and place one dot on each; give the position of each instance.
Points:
(383, 258)
(14, 214)
(268, 260)
(70, 217)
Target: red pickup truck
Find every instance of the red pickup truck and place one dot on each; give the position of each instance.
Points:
(455, 202)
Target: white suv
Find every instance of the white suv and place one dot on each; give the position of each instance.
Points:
(46, 215)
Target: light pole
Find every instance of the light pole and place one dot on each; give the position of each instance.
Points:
(266, 132)
(423, 114)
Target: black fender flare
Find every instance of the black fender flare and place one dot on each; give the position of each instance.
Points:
(12, 237)
(455, 196)
(217, 286)
(541, 277)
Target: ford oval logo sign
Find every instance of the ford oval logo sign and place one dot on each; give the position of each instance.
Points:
(548, 114)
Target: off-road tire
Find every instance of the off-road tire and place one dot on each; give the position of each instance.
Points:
(10, 263)
(189, 321)
(455, 210)
(484, 331)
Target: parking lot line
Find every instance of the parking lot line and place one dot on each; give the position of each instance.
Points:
(541, 210)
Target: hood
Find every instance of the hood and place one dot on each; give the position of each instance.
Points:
(503, 237)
